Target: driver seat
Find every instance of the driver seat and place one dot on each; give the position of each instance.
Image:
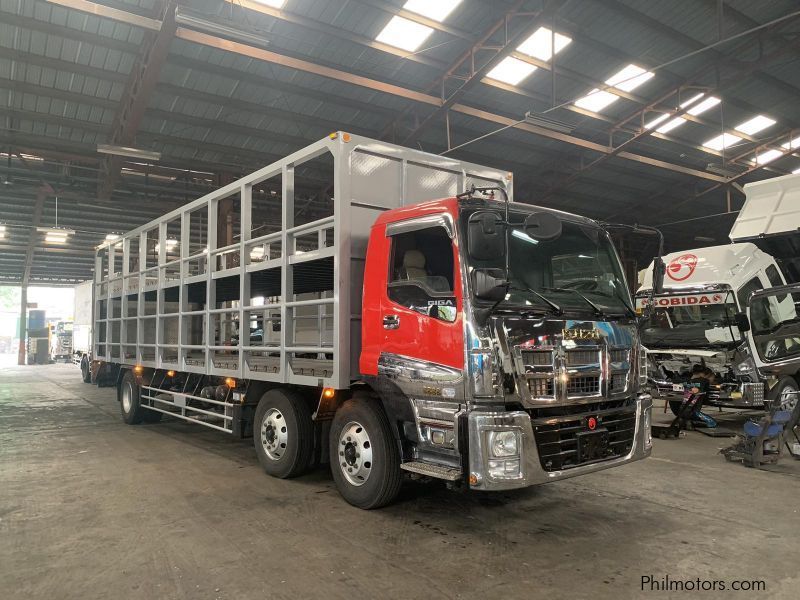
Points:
(414, 265)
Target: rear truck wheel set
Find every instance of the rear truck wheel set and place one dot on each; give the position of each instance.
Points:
(86, 371)
(129, 396)
(364, 454)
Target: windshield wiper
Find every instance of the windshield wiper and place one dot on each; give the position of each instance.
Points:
(597, 310)
(524, 288)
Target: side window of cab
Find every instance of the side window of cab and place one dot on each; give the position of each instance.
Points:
(422, 272)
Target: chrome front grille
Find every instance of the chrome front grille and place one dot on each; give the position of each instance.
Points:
(576, 358)
(538, 358)
(583, 386)
(583, 373)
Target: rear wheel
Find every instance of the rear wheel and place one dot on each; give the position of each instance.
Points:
(283, 433)
(129, 399)
(365, 461)
(86, 371)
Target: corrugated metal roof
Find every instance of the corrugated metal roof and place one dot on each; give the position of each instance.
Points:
(64, 76)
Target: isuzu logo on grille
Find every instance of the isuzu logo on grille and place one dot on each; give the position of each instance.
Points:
(580, 334)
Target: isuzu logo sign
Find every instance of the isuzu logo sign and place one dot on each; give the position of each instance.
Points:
(580, 334)
(682, 300)
(682, 267)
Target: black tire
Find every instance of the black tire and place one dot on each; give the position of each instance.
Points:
(86, 371)
(128, 394)
(785, 384)
(283, 433)
(383, 483)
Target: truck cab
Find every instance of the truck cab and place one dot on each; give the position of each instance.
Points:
(693, 321)
(520, 362)
(698, 317)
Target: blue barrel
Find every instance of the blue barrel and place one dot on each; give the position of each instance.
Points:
(36, 319)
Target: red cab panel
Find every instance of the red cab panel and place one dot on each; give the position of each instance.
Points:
(412, 302)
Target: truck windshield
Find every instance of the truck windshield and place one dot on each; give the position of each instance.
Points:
(579, 271)
(691, 321)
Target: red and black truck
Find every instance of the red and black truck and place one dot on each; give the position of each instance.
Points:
(388, 311)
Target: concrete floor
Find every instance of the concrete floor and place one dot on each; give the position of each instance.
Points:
(92, 508)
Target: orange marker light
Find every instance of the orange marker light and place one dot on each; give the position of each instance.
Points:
(230, 382)
(170, 373)
(346, 137)
(473, 479)
(138, 369)
(328, 393)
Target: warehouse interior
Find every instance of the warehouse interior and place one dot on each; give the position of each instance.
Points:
(654, 121)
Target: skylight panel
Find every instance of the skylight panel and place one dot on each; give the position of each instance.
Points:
(596, 100)
(726, 140)
(792, 144)
(756, 124)
(655, 122)
(666, 128)
(674, 122)
(629, 78)
(404, 34)
(438, 10)
(540, 44)
(703, 106)
(273, 3)
(626, 80)
(768, 156)
(511, 70)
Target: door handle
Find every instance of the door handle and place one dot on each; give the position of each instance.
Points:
(391, 321)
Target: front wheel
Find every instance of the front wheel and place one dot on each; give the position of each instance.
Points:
(786, 393)
(365, 461)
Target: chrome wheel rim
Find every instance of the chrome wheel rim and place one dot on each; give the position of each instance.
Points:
(274, 434)
(355, 453)
(788, 399)
(127, 397)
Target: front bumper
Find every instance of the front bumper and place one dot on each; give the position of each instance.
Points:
(748, 395)
(485, 474)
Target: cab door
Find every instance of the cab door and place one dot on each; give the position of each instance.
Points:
(413, 305)
(774, 316)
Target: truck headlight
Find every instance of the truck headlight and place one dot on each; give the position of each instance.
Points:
(642, 366)
(747, 367)
(503, 443)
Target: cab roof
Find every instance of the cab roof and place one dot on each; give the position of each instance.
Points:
(731, 264)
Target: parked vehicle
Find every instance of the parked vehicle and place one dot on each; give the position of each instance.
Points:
(698, 317)
(82, 329)
(413, 329)
(61, 341)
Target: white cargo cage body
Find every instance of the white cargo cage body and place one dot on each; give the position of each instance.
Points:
(765, 253)
(144, 316)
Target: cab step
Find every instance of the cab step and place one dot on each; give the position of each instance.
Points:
(431, 470)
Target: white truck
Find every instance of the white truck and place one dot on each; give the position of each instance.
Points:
(82, 328)
(700, 317)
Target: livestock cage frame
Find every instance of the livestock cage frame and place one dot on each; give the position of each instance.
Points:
(173, 293)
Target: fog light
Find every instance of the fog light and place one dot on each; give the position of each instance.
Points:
(503, 443)
(504, 469)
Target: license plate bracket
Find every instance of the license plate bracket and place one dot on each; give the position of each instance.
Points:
(592, 445)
